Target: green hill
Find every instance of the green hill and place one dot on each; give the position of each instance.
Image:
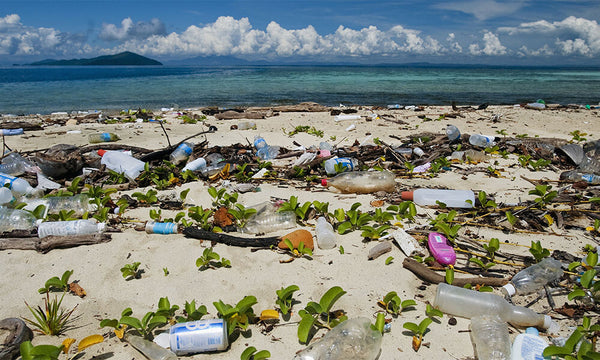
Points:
(124, 58)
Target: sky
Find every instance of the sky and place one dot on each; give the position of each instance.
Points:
(511, 32)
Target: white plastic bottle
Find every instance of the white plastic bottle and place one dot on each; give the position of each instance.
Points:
(467, 303)
(346, 117)
(350, 164)
(430, 197)
(153, 227)
(71, 227)
(353, 339)
(490, 336)
(574, 175)
(181, 153)
(195, 165)
(362, 182)
(482, 141)
(14, 219)
(453, 133)
(534, 277)
(325, 234)
(122, 163)
(528, 346)
(269, 222)
(17, 185)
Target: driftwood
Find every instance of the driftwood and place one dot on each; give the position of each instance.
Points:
(48, 243)
(27, 126)
(431, 276)
(260, 242)
(18, 332)
(230, 114)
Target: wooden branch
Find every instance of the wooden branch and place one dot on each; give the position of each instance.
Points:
(431, 276)
(48, 243)
(263, 242)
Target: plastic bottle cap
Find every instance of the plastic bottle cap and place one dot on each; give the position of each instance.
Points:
(324, 182)
(406, 195)
(101, 226)
(547, 321)
(510, 289)
(101, 152)
(532, 330)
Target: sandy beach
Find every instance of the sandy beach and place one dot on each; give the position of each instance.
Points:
(260, 273)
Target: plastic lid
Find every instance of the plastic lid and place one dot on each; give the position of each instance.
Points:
(101, 152)
(406, 195)
(547, 322)
(510, 289)
(532, 331)
(324, 182)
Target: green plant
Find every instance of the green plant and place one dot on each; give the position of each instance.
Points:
(432, 312)
(201, 216)
(389, 260)
(148, 198)
(404, 210)
(393, 305)
(116, 178)
(355, 219)
(442, 224)
(300, 251)
(292, 204)
(341, 250)
(222, 198)
(131, 271)
(449, 278)
(285, 298)
(318, 315)
(52, 320)
(63, 215)
(538, 252)
(502, 132)
(242, 175)
(252, 354)
(539, 164)
(374, 233)
(56, 283)
(192, 312)
(409, 166)
(418, 331)
(311, 130)
(578, 136)
(165, 271)
(321, 208)
(483, 200)
(512, 219)
(588, 289)
(379, 323)
(211, 260)
(241, 214)
(238, 317)
(382, 217)
(51, 352)
(579, 346)
(491, 247)
(545, 196)
(485, 266)
(144, 326)
(165, 309)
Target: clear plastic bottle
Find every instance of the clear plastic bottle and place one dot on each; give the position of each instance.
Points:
(589, 165)
(6, 196)
(247, 125)
(153, 227)
(18, 186)
(270, 221)
(211, 170)
(122, 163)
(347, 117)
(574, 175)
(102, 137)
(534, 277)
(71, 227)
(325, 234)
(195, 165)
(467, 303)
(430, 197)
(482, 141)
(14, 164)
(353, 339)
(151, 350)
(263, 150)
(10, 132)
(490, 337)
(181, 153)
(350, 164)
(453, 133)
(362, 182)
(80, 203)
(15, 219)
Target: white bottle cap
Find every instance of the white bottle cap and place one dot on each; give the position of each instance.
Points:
(510, 289)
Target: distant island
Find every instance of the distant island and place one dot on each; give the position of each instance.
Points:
(124, 58)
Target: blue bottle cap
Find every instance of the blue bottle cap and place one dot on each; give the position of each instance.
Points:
(532, 331)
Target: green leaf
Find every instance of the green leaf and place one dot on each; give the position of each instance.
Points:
(389, 260)
(587, 278)
(131, 322)
(26, 348)
(389, 296)
(304, 327)
(412, 327)
(113, 323)
(126, 312)
(45, 351)
(449, 276)
(246, 303)
(407, 303)
(423, 325)
(576, 294)
(380, 323)
(330, 297)
(247, 354)
(592, 259)
(261, 355)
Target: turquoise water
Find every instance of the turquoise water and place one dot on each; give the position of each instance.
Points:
(47, 89)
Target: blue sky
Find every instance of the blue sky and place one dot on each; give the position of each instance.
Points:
(522, 32)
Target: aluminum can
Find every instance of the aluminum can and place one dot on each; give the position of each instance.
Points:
(199, 336)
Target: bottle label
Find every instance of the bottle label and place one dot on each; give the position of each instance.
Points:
(347, 163)
(198, 336)
(105, 137)
(9, 132)
(164, 228)
(587, 177)
(5, 179)
(185, 148)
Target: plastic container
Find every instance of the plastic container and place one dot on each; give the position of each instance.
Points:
(14, 219)
(453, 133)
(199, 336)
(362, 182)
(181, 153)
(122, 163)
(153, 227)
(589, 165)
(270, 221)
(325, 234)
(247, 125)
(71, 227)
(347, 117)
(80, 203)
(263, 150)
(528, 346)
(430, 197)
(325, 149)
(102, 137)
(150, 350)
(418, 151)
(574, 175)
(195, 165)
(353, 339)
(14, 164)
(6, 196)
(467, 303)
(482, 141)
(350, 164)
(441, 251)
(490, 337)
(211, 170)
(18, 186)
(10, 132)
(534, 277)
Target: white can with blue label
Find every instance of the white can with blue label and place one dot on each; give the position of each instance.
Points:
(199, 336)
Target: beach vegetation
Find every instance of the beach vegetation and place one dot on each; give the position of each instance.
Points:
(443, 224)
(579, 345)
(502, 132)
(432, 312)
(321, 209)
(521, 136)
(53, 319)
(544, 195)
(418, 331)
(57, 284)
(485, 266)
(492, 247)
(292, 204)
(147, 198)
(393, 304)
(449, 277)
(116, 178)
(404, 210)
(389, 260)
(201, 216)
(318, 315)
(379, 325)
(483, 200)
(578, 136)
(191, 312)
(143, 327)
(374, 233)
(221, 198)
(285, 298)
(131, 271)
(166, 309)
(241, 214)
(382, 217)
(238, 317)
(311, 130)
(243, 174)
(51, 352)
(211, 260)
(300, 251)
(250, 353)
(341, 250)
(352, 219)
(538, 251)
(588, 289)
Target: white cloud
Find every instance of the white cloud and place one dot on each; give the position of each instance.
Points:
(131, 30)
(483, 9)
(492, 46)
(454, 45)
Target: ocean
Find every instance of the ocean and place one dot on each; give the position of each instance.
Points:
(28, 90)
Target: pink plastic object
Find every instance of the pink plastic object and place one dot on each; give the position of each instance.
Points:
(441, 251)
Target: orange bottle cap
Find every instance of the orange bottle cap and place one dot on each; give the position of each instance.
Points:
(324, 182)
(101, 152)
(406, 195)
